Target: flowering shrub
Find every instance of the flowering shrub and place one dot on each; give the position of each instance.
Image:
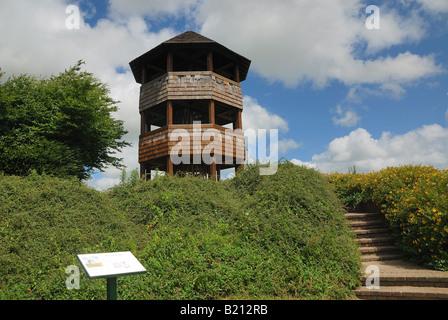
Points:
(414, 201)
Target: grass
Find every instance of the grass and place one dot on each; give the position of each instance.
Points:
(250, 237)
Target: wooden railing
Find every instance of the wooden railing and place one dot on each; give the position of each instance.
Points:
(191, 85)
(192, 139)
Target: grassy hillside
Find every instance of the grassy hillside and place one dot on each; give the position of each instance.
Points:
(251, 237)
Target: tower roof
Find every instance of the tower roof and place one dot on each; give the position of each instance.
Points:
(189, 39)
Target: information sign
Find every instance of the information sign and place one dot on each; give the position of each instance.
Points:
(110, 265)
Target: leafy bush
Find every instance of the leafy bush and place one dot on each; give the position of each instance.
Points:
(44, 223)
(252, 237)
(414, 201)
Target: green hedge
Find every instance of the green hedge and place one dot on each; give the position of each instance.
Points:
(251, 237)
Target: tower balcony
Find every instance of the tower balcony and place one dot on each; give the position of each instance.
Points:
(226, 145)
(190, 85)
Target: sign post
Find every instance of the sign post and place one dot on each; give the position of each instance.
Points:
(110, 266)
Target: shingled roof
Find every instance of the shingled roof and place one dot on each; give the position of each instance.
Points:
(189, 39)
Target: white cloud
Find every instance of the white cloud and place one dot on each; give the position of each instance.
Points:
(349, 118)
(434, 6)
(287, 144)
(317, 41)
(298, 162)
(394, 30)
(152, 9)
(257, 117)
(426, 145)
(291, 42)
(103, 183)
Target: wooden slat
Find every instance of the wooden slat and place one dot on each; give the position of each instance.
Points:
(158, 143)
(191, 85)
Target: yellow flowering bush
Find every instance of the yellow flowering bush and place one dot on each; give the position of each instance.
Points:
(414, 201)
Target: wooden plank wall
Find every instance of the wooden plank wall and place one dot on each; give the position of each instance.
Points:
(189, 86)
(158, 143)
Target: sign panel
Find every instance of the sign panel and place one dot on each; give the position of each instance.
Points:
(110, 265)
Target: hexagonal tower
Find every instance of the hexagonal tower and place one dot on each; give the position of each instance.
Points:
(190, 84)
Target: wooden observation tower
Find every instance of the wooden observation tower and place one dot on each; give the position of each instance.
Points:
(190, 106)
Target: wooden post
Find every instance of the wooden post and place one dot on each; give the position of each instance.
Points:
(238, 123)
(211, 112)
(142, 122)
(144, 77)
(169, 166)
(213, 169)
(210, 61)
(169, 62)
(142, 170)
(169, 112)
(237, 73)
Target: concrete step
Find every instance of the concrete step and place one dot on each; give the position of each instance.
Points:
(410, 280)
(378, 249)
(402, 293)
(380, 256)
(367, 224)
(371, 231)
(363, 216)
(374, 241)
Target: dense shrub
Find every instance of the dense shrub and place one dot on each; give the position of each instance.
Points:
(252, 237)
(414, 201)
(44, 223)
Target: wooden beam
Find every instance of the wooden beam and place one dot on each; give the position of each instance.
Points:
(224, 67)
(169, 166)
(210, 61)
(169, 62)
(144, 77)
(237, 73)
(211, 112)
(238, 124)
(163, 71)
(169, 112)
(142, 122)
(213, 168)
(228, 115)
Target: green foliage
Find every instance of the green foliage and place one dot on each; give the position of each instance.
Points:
(44, 223)
(62, 125)
(252, 237)
(413, 200)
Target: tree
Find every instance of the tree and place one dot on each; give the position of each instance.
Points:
(62, 125)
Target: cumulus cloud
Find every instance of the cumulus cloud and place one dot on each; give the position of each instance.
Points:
(425, 145)
(434, 6)
(292, 42)
(317, 41)
(287, 144)
(307, 164)
(347, 118)
(257, 117)
(152, 9)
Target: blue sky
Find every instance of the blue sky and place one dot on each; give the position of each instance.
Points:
(339, 94)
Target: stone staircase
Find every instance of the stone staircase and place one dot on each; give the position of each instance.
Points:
(398, 279)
